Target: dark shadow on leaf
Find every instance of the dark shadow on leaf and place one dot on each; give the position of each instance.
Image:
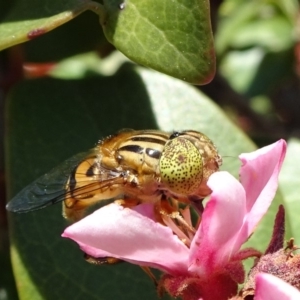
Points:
(82, 34)
(35, 9)
(271, 72)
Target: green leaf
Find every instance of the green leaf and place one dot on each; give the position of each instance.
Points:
(49, 120)
(274, 34)
(7, 282)
(173, 37)
(68, 40)
(241, 15)
(30, 19)
(268, 24)
(289, 185)
(248, 71)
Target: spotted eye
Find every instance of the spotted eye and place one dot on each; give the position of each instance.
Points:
(181, 166)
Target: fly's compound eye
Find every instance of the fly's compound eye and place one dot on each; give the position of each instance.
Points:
(181, 166)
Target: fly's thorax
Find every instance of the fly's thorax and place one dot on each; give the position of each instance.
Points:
(187, 161)
(140, 152)
(136, 155)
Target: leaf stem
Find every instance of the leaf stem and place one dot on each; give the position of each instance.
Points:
(96, 8)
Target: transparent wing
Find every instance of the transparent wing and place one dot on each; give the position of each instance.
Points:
(52, 187)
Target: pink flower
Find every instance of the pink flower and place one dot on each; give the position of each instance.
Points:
(131, 235)
(269, 287)
(234, 208)
(229, 218)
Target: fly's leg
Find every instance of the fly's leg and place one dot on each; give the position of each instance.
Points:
(164, 208)
(129, 203)
(197, 204)
(150, 274)
(101, 260)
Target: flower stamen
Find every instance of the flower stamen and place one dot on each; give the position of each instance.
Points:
(181, 224)
(176, 229)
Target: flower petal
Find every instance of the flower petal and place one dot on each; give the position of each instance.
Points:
(131, 236)
(269, 287)
(222, 219)
(259, 176)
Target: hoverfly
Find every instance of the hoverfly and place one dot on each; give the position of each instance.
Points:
(134, 166)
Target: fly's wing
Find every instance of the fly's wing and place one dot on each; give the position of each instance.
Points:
(49, 188)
